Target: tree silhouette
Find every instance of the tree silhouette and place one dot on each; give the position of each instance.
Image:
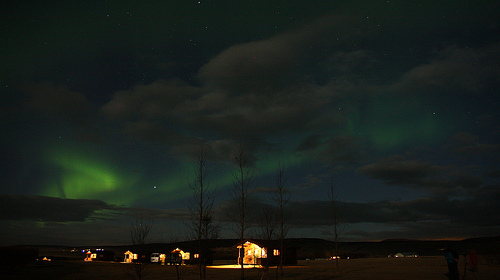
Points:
(281, 198)
(243, 177)
(140, 229)
(201, 208)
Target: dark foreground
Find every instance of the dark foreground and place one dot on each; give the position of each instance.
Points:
(369, 268)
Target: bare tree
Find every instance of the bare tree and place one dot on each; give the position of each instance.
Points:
(140, 229)
(282, 197)
(243, 178)
(272, 220)
(201, 208)
(269, 224)
(336, 228)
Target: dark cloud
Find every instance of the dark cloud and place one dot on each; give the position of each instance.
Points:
(254, 117)
(158, 100)
(248, 91)
(400, 172)
(426, 216)
(51, 209)
(437, 180)
(158, 215)
(338, 152)
(343, 69)
(311, 142)
(152, 132)
(454, 68)
(494, 173)
(263, 66)
(58, 101)
(318, 213)
(216, 150)
(272, 64)
(178, 109)
(33, 219)
(471, 147)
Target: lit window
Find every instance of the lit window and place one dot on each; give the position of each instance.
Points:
(276, 252)
(196, 256)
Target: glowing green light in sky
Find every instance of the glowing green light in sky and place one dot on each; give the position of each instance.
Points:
(83, 176)
(80, 172)
(171, 186)
(394, 134)
(175, 183)
(389, 125)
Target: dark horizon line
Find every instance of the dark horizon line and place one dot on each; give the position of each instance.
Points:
(468, 239)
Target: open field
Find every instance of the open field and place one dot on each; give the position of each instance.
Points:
(368, 268)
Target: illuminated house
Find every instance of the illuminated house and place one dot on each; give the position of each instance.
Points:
(189, 254)
(406, 255)
(99, 255)
(262, 252)
(179, 256)
(129, 257)
(90, 256)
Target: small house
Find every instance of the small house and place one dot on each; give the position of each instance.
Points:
(178, 256)
(139, 257)
(89, 256)
(129, 257)
(266, 252)
(191, 254)
(99, 255)
(406, 255)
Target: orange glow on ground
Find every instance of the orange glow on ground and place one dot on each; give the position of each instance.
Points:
(246, 266)
(234, 266)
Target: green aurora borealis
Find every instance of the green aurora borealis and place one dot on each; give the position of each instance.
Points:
(84, 172)
(105, 105)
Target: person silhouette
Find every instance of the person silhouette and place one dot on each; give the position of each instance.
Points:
(451, 257)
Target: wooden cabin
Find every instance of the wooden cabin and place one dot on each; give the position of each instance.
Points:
(89, 256)
(129, 257)
(192, 255)
(257, 252)
(99, 255)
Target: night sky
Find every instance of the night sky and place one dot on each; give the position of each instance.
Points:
(105, 104)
